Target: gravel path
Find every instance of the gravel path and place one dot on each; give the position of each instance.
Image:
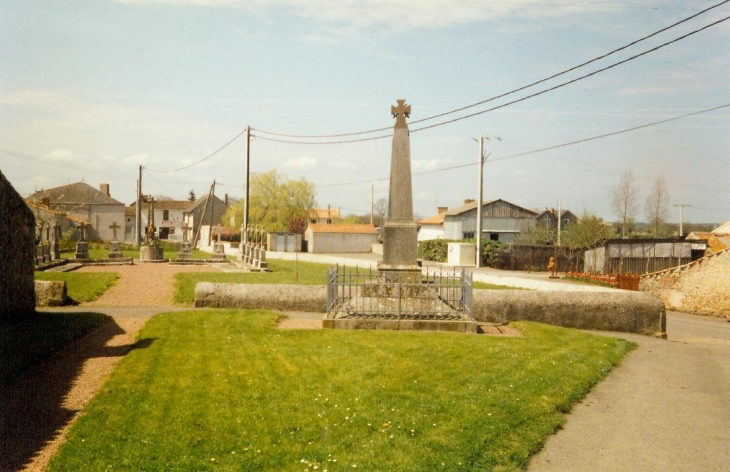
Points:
(38, 410)
(146, 284)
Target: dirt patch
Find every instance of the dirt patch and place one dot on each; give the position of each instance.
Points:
(499, 330)
(288, 323)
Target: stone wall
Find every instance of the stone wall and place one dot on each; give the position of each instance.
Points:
(701, 287)
(17, 255)
(311, 298)
(619, 310)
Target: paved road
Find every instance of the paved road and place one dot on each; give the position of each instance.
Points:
(665, 408)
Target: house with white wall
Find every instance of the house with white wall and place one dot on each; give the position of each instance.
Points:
(340, 238)
(82, 202)
(433, 226)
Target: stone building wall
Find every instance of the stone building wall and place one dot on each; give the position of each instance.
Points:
(17, 255)
(702, 287)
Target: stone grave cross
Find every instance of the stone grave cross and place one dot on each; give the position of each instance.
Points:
(185, 228)
(114, 227)
(82, 228)
(217, 230)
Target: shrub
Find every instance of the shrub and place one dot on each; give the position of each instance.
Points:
(435, 250)
(491, 251)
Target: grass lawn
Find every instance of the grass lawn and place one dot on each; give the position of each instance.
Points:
(226, 390)
(284, 272)
(25, 344)
(82, 287)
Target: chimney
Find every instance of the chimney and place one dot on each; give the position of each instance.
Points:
(104, 188)
(443, 210)
(225, 199)
(468, 201)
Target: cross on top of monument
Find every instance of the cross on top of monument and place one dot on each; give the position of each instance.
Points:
(114, 227)
(400, 113)
(82, 228)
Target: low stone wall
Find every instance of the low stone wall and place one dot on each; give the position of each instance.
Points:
(701, 287)
(310, 298)
(50, 293)
(624, 311)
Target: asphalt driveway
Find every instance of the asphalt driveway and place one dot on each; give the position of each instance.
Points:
(665, 408)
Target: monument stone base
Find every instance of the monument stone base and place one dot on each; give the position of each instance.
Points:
(186, 249)
(219, 252)
(115, 250)
(82, 250)
(455, 326)
(151, 253)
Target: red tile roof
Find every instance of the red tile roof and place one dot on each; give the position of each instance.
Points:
(432, 220)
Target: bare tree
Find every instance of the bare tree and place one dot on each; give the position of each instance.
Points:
(657, 206)
(625, 200)
(380, 211)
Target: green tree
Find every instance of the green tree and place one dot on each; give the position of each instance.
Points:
(277, 202)
(191, 196)
(588, 232)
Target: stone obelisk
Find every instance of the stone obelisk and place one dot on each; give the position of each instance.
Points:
(400, 250)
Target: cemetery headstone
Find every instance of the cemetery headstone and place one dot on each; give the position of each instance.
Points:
(115, 247)
(219, 252)
(82, 247)
(186, 247)
(56, 242)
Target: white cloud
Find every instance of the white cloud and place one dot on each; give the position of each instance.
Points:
(422, 165)
(62, 155)
(301, 162)
(352, 16)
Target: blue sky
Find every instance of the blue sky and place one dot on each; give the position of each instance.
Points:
(92, 90)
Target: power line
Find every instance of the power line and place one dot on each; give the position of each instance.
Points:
(603, 56)
(527, 97)
(535, 151)
(616, 64)
(205, 158)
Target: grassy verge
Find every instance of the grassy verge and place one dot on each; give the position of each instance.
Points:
(25, 344)
(283, 272)
(226, 390)
(486, 286)
(82, 287)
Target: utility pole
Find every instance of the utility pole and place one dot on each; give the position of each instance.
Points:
(138, 212)
(560, 214)
(482, 159)
(372, 202)
(244, 236)
(681, 218)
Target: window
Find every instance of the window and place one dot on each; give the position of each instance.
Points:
(469, 235)
(494, 236)
(165, 214)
